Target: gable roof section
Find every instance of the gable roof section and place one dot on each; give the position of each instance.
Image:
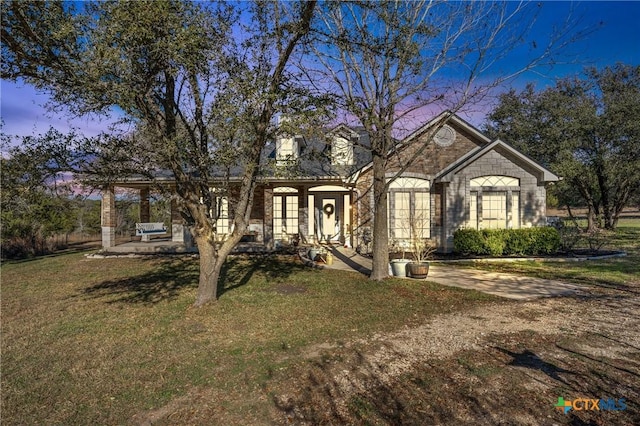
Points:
(543, 173)
(451, 119)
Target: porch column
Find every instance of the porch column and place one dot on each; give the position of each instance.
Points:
(108, 217)
(303, 214)
(179, 231)
(145, 215)
(268, 217)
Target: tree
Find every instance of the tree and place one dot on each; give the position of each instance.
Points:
(35, 196)
(385, 60)
(195, 91)
(584, 129)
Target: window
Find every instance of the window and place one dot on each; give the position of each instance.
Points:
(473, 211)
(515, 210)
(409, 215)
(285, 215)
(494, 202)
(341, 151)
(401, 214)
(287, 149)
(409, 208)
(494, 181)
(494, 210)
(220, 213)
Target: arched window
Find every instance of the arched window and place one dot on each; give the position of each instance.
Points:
(494, 202)
(285, 212)
(494, 181)
(409, 206)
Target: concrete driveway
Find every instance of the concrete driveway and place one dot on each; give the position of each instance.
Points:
(496, 283)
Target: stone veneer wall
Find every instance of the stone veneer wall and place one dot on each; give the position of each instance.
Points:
(532, 193)
(432, 160)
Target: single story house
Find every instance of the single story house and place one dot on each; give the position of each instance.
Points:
(320, 190)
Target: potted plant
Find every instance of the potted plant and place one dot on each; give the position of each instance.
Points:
(399, 266)
(422, 249)
(314, 251)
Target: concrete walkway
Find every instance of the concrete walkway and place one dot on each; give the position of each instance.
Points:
(496, 283)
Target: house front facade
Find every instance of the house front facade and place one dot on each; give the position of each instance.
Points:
(319, 191)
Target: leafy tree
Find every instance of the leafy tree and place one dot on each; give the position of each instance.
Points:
(35, 196)
(385, 60)
(201, 86)
(584, 129)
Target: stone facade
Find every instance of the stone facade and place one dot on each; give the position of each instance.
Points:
(450, 198)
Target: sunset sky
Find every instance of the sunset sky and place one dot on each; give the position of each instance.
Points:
(615, 39)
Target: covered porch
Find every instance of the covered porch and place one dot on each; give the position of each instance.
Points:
(285, 212)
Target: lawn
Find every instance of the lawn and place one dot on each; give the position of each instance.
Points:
(622, 272)
(116, 341)
(108, 341)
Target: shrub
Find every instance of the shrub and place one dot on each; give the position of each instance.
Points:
(468, 241)
(494, 241)
(498, 242)
(545, 240)
(518, 241)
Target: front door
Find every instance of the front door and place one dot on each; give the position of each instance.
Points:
(330, 224)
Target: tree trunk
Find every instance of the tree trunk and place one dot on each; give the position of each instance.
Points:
(380, 269)
(592, 224)
(210, 267)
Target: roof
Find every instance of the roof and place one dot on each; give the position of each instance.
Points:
(543, 173)
(446, 117)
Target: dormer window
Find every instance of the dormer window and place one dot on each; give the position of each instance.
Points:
(287, 149)
(342, 150)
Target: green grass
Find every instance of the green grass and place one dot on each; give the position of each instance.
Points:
(101, 341)
(619, 273)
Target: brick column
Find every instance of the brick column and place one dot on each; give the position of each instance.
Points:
(268, 217)
(303, 213)
(108, 217)
(145, 215)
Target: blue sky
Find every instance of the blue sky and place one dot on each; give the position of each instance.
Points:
(615, 39)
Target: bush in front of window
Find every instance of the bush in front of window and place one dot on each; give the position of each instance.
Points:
(494, 241)
(468, 241)
(507, 242)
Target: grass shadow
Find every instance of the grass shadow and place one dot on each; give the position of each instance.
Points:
(80, 247)
(169, 277)
(164, 282)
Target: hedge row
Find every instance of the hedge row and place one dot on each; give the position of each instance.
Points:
(507, 242)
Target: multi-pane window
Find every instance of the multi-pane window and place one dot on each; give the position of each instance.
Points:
(220, 214)
(341, 151)
(409, 208)
(421, 223)
(285, 215)
(473, 211)
(494, 210)
(402, 214)
(410, 215)
(494, 202)
(287, 150)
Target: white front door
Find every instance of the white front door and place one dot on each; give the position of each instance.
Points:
(329, 218)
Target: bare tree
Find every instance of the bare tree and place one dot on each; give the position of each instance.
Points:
(386, 60)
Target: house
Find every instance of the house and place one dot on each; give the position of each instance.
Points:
(319, 190)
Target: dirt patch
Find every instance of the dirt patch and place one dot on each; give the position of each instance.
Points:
(504, 363)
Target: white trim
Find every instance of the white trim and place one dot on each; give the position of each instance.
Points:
(328, 188)
(447, 174)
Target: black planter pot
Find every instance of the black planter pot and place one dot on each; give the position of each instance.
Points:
(418, 270)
